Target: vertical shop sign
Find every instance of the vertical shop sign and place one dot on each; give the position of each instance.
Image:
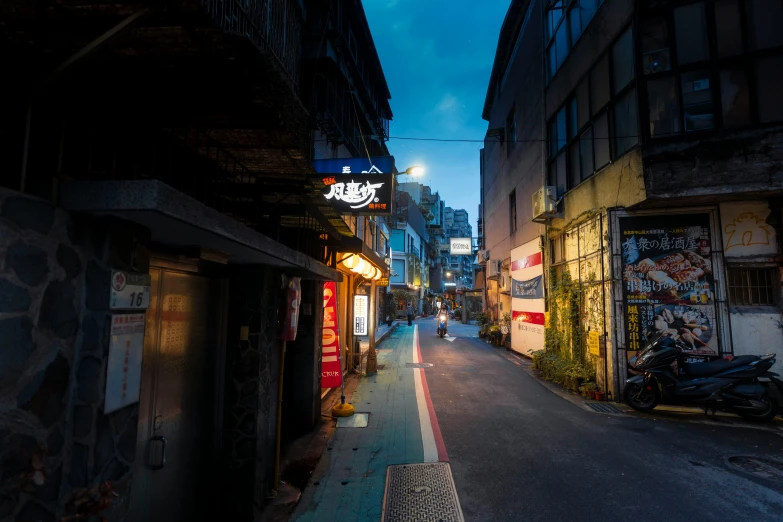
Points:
(360, 314)
(668, 281)
(331, 373)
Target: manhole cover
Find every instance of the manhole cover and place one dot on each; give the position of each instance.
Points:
(421, 493)
(763, 468)
(418, 365)
(602, 407)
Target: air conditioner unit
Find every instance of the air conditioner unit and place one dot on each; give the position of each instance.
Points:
(504, 283)
(493, 269)
(544, 202)
(482, 257)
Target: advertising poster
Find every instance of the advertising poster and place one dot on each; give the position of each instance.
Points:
(527, 298)
(668, 281)
(123, 371)
(331, 373)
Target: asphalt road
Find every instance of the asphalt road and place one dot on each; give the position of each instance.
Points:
(520, 452)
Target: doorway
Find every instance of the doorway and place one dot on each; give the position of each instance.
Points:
(178, 412)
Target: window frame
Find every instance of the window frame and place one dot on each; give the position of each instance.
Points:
(746, 61)
(772, 288)
(550, 37)
(605, 111)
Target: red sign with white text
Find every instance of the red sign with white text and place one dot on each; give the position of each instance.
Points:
(526, 262)
(331, 373)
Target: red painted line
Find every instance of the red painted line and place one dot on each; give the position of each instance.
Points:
(443, 456)
(529, 317)
(527, 262)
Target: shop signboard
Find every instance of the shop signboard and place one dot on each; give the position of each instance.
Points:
(331, 373)
(360, 314)
(668, 281)
(358, 185)
(460, 246)
(527, 298)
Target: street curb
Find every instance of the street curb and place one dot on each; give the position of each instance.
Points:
(386, 333)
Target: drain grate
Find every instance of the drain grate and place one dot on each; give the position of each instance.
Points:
(418, 365)
(602, 407)
(421, 493)
(764, 468)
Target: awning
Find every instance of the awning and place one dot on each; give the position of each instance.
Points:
(177, 220)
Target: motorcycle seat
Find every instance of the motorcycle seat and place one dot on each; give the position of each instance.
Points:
(711, 368)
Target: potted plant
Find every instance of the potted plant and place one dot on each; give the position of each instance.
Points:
(494, 334)
(389, 309)
(599, 395)
(590, 389)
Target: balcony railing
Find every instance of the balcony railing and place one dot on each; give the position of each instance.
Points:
(272, 25)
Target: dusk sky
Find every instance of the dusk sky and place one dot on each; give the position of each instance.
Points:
(437, 56)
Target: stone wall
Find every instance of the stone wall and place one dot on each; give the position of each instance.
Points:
(54, 330)
(250, 410)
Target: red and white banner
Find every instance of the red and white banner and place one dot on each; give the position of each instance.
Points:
(527, 314)
(331, 373)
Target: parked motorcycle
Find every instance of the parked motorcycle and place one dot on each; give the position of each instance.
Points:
(443, 322)
(742, 385)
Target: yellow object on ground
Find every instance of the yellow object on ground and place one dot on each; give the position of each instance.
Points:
(342, 410)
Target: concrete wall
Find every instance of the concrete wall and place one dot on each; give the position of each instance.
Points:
(756, 331)
(732, 165)
(54, 328)
(619, 184)
(523, 168)
(250, 407)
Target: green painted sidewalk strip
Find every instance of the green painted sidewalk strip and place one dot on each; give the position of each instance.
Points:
(392, 436)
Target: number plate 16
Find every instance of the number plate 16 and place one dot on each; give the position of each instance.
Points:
(129, 291)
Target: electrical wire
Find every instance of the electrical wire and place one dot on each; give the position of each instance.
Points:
(458, 140)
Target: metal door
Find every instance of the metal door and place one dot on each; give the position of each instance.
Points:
(176, 415)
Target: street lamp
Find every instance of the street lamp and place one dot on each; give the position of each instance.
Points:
(415, 171)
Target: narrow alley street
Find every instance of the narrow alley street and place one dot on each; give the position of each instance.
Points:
(520, 452)
(517, 451)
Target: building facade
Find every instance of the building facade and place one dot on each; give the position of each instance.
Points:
(664, 168)
(157, 198)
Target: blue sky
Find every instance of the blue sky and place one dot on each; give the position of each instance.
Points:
(437, 56)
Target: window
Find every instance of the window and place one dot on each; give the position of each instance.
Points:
(601, 141)
(586, 154)
(598, 118)
(599, 84)
(583, 103)
(566, 20)
(664, 107)
(512, 211)
(735, 99)
(655, 46)
(511, 130)
(769, 73)
(691, 33)
(625, 124)
(727, 28)
(765, 23)
(753, 286)
(697, 101)
(622, 62)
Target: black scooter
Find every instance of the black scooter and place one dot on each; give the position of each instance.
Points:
(743, 385)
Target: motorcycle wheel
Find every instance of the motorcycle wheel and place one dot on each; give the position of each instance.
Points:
(767, 415)
(645, 401)
(441, 335)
